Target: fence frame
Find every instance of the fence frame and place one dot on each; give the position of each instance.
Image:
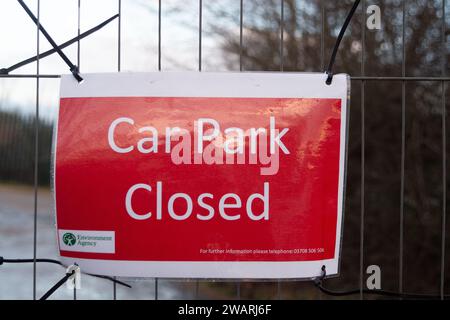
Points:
(363, 78)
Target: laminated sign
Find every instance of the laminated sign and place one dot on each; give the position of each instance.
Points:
(202, 175)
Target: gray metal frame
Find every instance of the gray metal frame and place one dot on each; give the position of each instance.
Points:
(362, 79)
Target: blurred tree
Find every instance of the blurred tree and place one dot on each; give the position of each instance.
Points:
(309, 31)
(17, 148)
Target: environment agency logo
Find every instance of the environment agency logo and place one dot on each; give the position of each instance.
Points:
(69, 239)
(87, 240)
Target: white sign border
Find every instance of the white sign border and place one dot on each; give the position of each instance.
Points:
(204, 84)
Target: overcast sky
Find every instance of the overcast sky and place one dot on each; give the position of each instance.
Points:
(99, 51)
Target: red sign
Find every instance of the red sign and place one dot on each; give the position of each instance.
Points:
(201, 174)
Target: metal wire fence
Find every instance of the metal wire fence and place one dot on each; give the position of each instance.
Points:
(362, 80)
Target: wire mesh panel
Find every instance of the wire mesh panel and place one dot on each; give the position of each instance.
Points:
(395, 214)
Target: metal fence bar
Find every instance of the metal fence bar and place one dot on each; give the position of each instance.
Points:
(197, 290)
(159, 69)
(200, 14)
(444, 156)
(36, 152)
(322, 51)
(119, 50)
(281, 35)
(241, 22)
(352, 78)
(241, 26)
(79, 31)
(79, 69)
(281, 69)
(30, 76)
(119, 33)
(361, 244)
(402, 165)
(159, 35)
(200, 17)
(362, 78)
(404, 78)
(322, 35)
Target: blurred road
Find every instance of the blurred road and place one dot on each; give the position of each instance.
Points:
(16, 241)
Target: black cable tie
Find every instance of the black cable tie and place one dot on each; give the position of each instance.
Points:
(57, 285)
(329, 78)
(1, 260)
(323, 273)
(72, 67)
(329, 70)
(62, 46)
(76, 73)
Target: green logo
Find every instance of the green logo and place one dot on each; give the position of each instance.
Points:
(69, 239)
